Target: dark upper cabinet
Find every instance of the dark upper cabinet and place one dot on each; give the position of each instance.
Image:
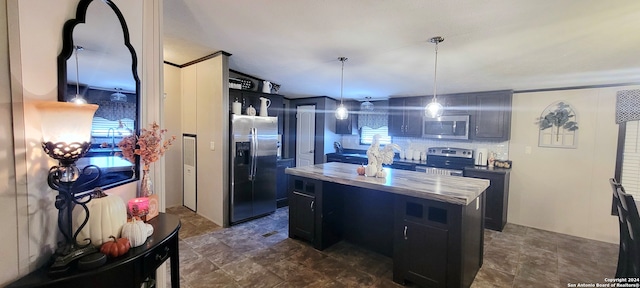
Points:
(491, 119)
(252, 98)
(455, 104)
(405, 116)
(347, 126)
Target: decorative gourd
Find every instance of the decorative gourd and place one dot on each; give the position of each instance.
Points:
(360, 170)
(115, 248)
(137, 232)
(107, 214)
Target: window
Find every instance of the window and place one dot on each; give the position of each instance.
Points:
(121, 128)
(630, 178)
(366, 135)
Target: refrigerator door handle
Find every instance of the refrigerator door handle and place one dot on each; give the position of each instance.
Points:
(252, 151)
(254, 155)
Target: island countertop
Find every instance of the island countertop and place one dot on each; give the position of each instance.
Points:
(450, 189)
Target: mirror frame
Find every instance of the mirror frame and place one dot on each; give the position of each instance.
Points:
(67, 52)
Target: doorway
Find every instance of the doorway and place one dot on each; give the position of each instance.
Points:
(305, 135)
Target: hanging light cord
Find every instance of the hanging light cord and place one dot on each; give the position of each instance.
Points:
(435, 70)
(342, 76)
(77, 48)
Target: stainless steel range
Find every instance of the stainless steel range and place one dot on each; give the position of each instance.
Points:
(447, 161)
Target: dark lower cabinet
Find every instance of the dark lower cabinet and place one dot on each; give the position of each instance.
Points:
(437, 244)
(429, 268)
(282, 182)
(497, 196)
(315, 213)
(302, 215)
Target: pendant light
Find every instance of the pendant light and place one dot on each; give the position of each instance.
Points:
(118, 96)
(341, 112)
(366, 105)
(434, 109)
(78, 99)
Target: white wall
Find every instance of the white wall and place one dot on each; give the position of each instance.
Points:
(173, 123)
(565, 190)
(211, 108)
(8, 196)
(35, 40)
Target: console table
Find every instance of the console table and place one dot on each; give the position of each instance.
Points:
(129, 270)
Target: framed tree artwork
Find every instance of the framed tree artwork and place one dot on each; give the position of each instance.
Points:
(558, 126)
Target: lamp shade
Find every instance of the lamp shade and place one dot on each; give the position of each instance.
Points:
(66, 122)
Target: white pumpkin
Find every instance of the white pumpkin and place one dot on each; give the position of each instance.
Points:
(107, 214)
(137, 232)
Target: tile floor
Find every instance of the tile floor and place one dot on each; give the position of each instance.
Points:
(260, 254)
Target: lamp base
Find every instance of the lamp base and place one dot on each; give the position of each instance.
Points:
(62, 263)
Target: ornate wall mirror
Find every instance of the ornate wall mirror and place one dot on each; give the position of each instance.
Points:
(99, 63)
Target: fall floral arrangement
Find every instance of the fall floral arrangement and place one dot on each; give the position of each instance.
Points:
(151, 145)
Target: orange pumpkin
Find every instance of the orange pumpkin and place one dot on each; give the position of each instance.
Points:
(115, 248)
(360, 170)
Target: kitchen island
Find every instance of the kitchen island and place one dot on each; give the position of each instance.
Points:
(431, 225)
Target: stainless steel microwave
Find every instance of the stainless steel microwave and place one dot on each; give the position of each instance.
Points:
(446, 127)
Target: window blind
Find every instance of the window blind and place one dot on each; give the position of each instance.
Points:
(366, 135)
(630, 178)
(100, 127)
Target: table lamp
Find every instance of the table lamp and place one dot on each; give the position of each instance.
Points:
(66, 133)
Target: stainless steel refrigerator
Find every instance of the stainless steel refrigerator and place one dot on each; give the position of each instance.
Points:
(253, 166)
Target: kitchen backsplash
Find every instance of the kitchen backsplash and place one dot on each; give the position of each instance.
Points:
(500, 148)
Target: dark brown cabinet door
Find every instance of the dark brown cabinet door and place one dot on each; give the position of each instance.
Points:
(455, 104)
(396, 117)
(405, 116)
(497, 198)
(492, 116)
(421, 242)
(302, 215)
(282, 182)
(414, 111)
(425, 266)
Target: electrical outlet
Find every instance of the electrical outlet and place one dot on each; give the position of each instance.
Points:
(212, 146)
(527, 150)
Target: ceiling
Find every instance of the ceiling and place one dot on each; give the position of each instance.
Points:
(489, 45)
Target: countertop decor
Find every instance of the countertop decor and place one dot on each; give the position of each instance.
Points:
(378, 156)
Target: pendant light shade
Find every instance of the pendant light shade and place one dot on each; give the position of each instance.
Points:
(434, 109)
(341, 112)
(366, 105)
(118, 96)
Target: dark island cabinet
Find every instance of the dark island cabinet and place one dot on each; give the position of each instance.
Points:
(302, 215)
(426, 267)
(405, 116)
(425, 232)
(492, 116)
(282, 181)
(315, 212)
(497, 196)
